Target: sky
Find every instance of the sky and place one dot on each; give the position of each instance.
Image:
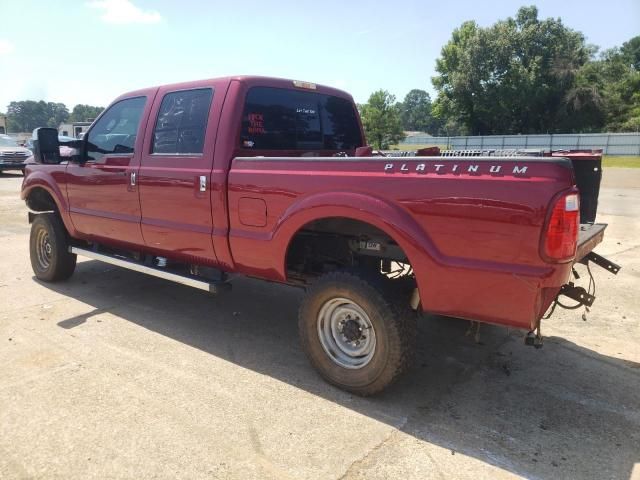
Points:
(91, 51)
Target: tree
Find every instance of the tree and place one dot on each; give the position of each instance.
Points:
(620, 86)
(513, 77)
(57, 113)
(84, 113)
(630, 52)
(415, 111)
(26, 115)
(609, 87)
(381, 120)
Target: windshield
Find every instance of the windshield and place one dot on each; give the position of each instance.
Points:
(8, 142)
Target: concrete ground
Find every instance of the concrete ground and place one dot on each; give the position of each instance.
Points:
(118, 375)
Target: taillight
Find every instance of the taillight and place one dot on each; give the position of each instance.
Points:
(561, 232)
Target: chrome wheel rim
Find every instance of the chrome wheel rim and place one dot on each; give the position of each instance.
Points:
(44, 249)
(346, 333)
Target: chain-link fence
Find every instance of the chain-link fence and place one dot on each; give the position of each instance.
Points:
(610, 143)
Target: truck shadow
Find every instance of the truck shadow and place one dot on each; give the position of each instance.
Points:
(562, 412)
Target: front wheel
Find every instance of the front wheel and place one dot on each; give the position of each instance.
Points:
(49, 249)
(354, 333)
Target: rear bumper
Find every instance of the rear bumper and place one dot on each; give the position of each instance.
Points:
(589, 237)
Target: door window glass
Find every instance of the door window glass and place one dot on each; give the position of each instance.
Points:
(115, 132)
(182, 122)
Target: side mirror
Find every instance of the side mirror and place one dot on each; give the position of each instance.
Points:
(46, 148)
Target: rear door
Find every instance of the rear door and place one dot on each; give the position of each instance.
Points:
(175, 174)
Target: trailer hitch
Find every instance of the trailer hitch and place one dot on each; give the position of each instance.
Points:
(578, 294)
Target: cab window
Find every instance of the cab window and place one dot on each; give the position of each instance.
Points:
(116, 130)
(283, 119)
(182, 122)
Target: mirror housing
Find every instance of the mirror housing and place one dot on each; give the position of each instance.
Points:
(46, 147)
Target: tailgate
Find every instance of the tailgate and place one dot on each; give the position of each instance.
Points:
(587, 166)
(589, 236)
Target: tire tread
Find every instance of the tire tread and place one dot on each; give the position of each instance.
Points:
(64, 263)
(397, 316)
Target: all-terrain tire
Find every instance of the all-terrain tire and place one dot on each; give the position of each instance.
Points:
(49, 249)
(393, 323)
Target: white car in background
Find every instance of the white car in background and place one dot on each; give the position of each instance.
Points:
(12, 155)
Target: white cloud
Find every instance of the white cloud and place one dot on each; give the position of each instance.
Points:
(6, 47)
(123, 11)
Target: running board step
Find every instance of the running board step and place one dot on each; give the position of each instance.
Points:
(211, 287)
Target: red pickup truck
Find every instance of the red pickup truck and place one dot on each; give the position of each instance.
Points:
(271, 178)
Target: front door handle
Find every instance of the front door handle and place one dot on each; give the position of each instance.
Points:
(133, 179)
(203, 183)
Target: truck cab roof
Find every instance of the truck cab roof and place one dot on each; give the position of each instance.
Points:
(247, 80)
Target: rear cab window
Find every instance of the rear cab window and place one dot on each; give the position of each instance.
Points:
(286, 119)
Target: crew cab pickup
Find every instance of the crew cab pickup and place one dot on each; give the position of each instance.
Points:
(197, 182)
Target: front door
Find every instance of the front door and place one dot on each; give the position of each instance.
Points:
(102, 192)
(175, 176)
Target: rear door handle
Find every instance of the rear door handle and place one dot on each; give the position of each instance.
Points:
(203, 183)
(133, 179)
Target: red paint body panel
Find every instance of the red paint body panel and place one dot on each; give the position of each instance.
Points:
(52, 179)
(473, 240)
(472, 237)
(176, 215)
(103, 204)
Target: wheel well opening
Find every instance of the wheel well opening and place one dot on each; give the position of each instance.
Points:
(338, 243)
(39, 200)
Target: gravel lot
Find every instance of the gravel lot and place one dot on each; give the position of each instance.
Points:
(118, 375)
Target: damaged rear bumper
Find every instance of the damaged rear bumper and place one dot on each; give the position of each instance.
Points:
(589, 237)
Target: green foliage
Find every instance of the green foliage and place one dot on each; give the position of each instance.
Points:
(381, 120)
(26, 115)
(415, 112)
(630, 52)
(84, 113)
(617, 78)
(516, 76)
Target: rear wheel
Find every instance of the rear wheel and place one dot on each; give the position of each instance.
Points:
(49, 249)
(354, 333)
